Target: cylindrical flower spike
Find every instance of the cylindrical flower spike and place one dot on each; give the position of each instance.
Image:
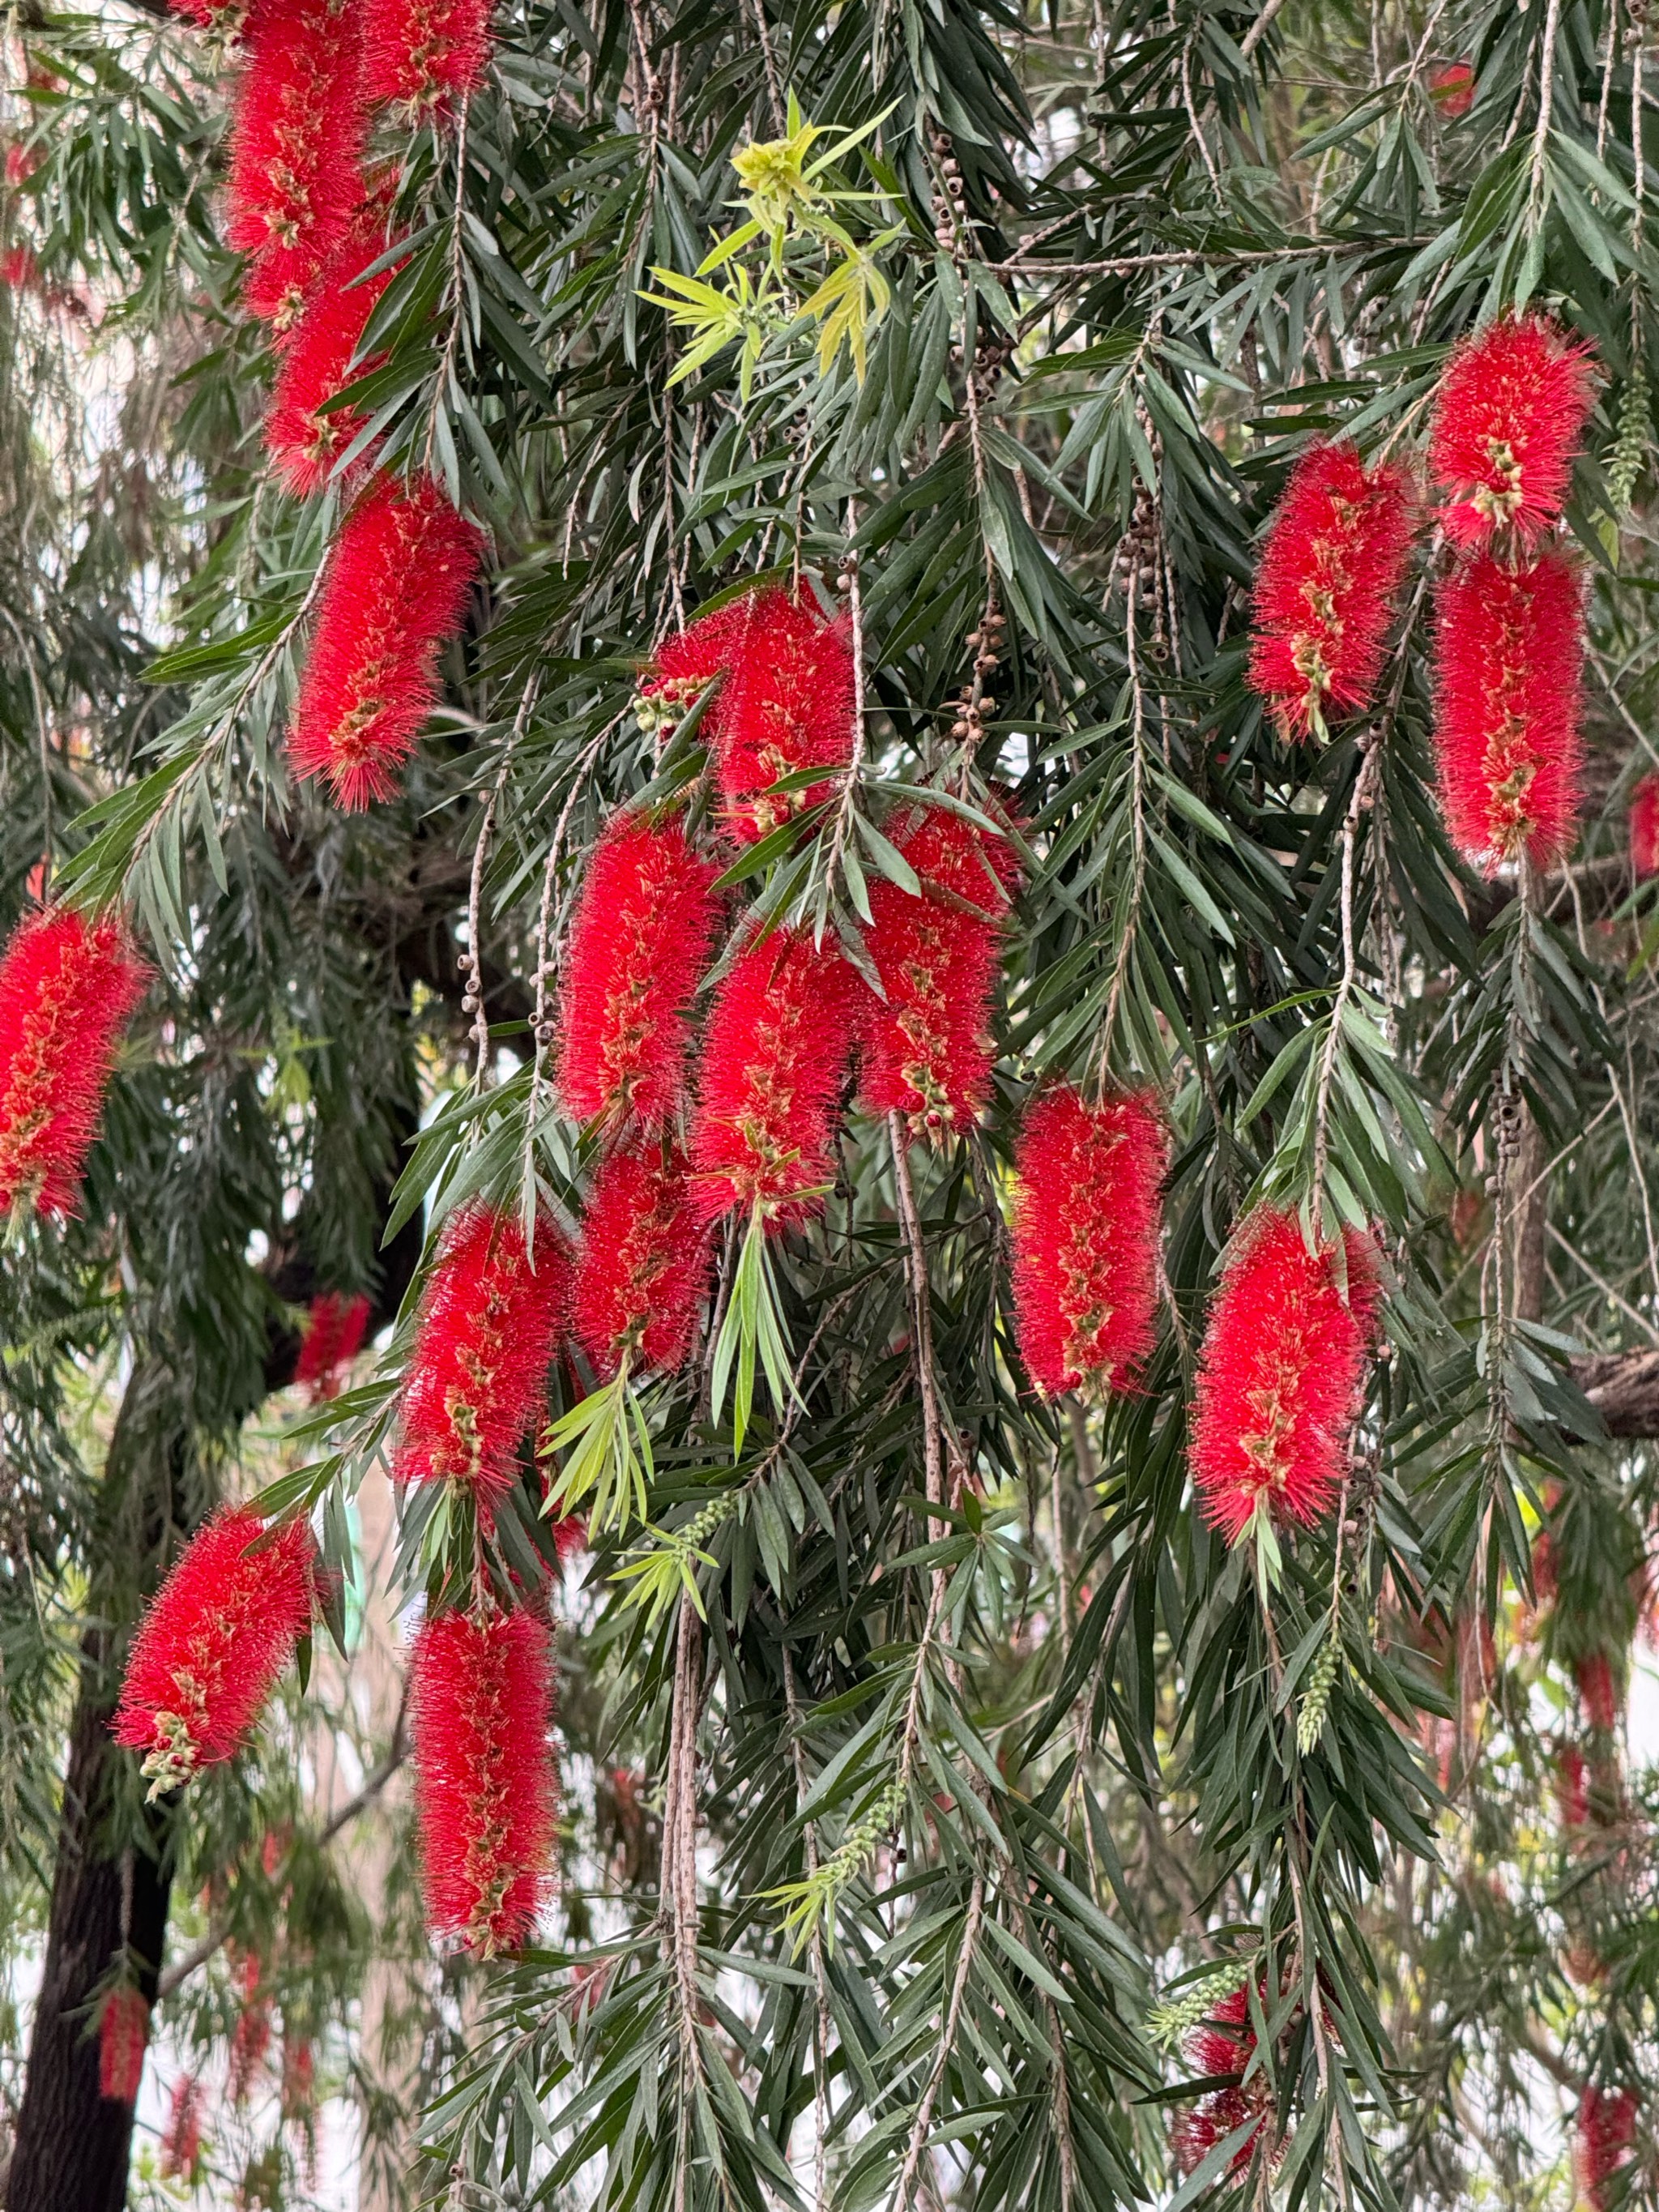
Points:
(1326, 588)
(481, 1693)
(1283, 1365)
(785, 701)
(250, 2039)
(1222, 2044)
(1510, 655)
(1603, 2132)
(334, 1336)
(181, 2138)
(1087, 1215)
(68, 988)
(489, 1323)
(643, 1266)
(639, 944)
(926, 1048)
(399, 575)
(1512, 403)
(219, 1632)
(774, 1061)
(1644, 828)
(316, 361)
(1598, 1693)
(424, 53)
(123, 2039)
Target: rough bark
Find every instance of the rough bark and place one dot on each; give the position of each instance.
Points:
(1624, 1389)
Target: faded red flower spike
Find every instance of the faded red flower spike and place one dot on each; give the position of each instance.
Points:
(639, 944)
(776, 1053)
(1571, 1786)
(1326, 588)
(316, 361)
(1451, 88)
(1512, 403)
(295, 150)
(785, 701)
(926, 1048)
(1223, 2044)
(123, 2039)
(1603, 2131)
(1598, 1693)
(1087, 1215)
(1283, 1365)
(399, 575)
(333, 1337)
(489, 1322)
(218, 1633)
(1644, 828)
(299, 2074)
(69, 986)
(1511, 654)
(250, 2039)
(424, 53)
(181, 2138)
(18, 270)
(643, 1265)
(482, 1691)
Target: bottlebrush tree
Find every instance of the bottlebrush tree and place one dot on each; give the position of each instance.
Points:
(838, 827)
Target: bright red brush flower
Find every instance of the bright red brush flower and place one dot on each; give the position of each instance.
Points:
(123, 2039)
(1644, 828)
(218, 1633)
(639, 944)
(1451, 88)
(399, 575)
(482, 1693)
(334, 1336)
(1326, 588)
(1087, 1215)
(643, 1266)
(1283, 1366)
(1223, 2044)
(1603, 2130)
(1598, 1693)
(489, 1323)
(250, 2039)
(926, 1048)
(785, 701)
(1512, 403)
(68, 986)
(181, 2138)
(1571, 1786)
(296, 176)
(316, 362)
(424, 53)
(1511, 654)
(776, 1053)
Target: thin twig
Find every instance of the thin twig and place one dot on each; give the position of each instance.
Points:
(918, 2142)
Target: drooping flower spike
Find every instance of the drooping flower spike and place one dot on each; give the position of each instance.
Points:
(1327, 587)
(123, 2039)
(181, 2138)
(218, 1633)
(1599, 1696)
(1283, 1365)
(1511, 407)
(424, 54)
(1510, 658)
(250, 2039)
(489, 1324)
(1223, 2044)
(1644, 828)
(68, 986)
(639, 944)
(643, 1266)
(333, 1338)
(481, 1696)
(399, 578)
(316, 362)
(926, 1047)
(1087, 1217)
(1604, 2133)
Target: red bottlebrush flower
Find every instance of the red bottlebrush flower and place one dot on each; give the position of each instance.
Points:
(779, 1033)
(1512, 402)
(18, 270)
(1598, 1693)
(1644, 828)
(250, 2039)
(1510, 653)
(927, 1050)
(482, 1688)
(1086, 1221)
(488, 1325)
(68, 988)
(296, 151)
(1223, 2044)
(785, 701)
(1571, 1786)
(639, 944)
(20, 165)
(181, 2138)
(219, 1632)
(643, 1266)
(1451, 88)
(424, 53)
(123, 2039)
(299, 2075)
(1603, 2130)
(1283, 1365)
(1326, 588)
(316, 362)
(399, 575)
(334, 1336)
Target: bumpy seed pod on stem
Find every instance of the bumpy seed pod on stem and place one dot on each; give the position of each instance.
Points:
(1644, 828)
(399, 578)
(1283, 1365)
(1512, 406)
(643, 1266)
(1327, 587)
(333, 1338)
(303, 441)
(123, 2039)
(480, 1694)
(1510, 656)
(69, 986)
(424, 54)
(1087, 1215)
(219, 1632)
(639, 943)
